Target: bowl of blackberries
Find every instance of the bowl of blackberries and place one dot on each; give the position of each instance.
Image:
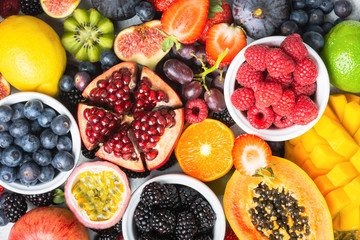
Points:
(39, 143)
(174, 206)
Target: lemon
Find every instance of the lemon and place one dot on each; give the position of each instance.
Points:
(341, 55)
(32, 57)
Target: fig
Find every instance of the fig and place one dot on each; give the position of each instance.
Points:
(141, 44)
(59, 8)
(4, 87)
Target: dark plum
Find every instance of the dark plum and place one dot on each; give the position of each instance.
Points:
(63, 161)
(145, 11)
(81, 80)
(7, 174)
(60, 125)
(191, 90)
(42, 157)
(342, 8)
(6, 113)
(314, 40)
(300, 17)
(316, 17)
(66, 83)
(48, 139)
(33, 109)
(327, 6)
(215, 100)
(184, 52)
(178, 71)
(289, 27)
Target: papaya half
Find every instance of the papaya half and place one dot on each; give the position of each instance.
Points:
(288, 205)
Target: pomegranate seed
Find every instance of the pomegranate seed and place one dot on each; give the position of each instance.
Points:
(145, 81)
(150, 145)
(86, 114)
(126, 97)
(93, 93)
(119, 93)
(139, 95)
(152, 131)
(137, 134)
(118, 83)
(152, 96)
(161, 121)
(151, 121)
(160, 130)
(125, 139)
(154, 139)
(116, 76)
(126, 156)
(97, 127)
(144, 137)
(155, 114)
(144, 126)
(101, 83)
(96, 135)
(144, 89)
(143, 119)
(162, 96)
(142, 144)
(111, 88)
(88, 132)
(136, 124)
(103, 93)
(118, 146)
(119, 109)
(139, 103)
(100, 113)
(151, 154)
(126, 89)
(112, 98)
(127, 105)
(126, 148)
(117, 154)
(91, 140)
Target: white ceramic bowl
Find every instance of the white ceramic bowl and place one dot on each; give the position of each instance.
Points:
(128, 226)
(272, 133)
(61, 177)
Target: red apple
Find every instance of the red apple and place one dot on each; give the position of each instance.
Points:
(48, 223)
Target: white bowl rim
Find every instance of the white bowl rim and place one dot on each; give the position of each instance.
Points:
(181, 179)
(75, 137)
(272, 134)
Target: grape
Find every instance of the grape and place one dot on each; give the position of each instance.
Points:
(200, 53)
(217, 83)
(178, 71)
(215, 100)
(184, 52)
(191, 90)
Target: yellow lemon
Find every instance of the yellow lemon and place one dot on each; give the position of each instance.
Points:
(32, 57)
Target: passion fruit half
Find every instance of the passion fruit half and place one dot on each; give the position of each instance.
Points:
(98, 194)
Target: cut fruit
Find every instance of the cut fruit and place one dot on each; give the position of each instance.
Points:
(98, 194)
(142, 121)
(4, 87)
(204, 150)
(59, 8)
(141, 44)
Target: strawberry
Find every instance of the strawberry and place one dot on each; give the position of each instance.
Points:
(229, 234)
(223, 36)
(161, 5)
(219, 12)
(185, 20)
(250, 153)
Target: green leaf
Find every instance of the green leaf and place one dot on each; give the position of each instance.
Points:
(214, 7)
(166, 44)
(59, 196)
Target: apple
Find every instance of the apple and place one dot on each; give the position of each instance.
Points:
(48, 223)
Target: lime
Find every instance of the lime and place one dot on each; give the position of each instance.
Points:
(341, 55)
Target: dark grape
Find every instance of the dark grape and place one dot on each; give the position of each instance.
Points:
(184, 52)
(178, 71)
(218, 82)
(191, 90)
(342, 8)
(215, 100)
(200, 53)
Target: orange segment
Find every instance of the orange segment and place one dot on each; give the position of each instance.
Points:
(204, 150)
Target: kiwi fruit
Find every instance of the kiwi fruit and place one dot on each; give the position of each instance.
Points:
(87, 33)
(346, 235)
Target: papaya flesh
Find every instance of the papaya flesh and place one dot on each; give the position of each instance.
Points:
(289, 205)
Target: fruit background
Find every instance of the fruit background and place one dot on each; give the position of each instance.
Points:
(218, 186)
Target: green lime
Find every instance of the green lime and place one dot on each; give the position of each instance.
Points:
(341, 55)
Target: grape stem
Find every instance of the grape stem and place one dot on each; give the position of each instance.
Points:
(201, 76)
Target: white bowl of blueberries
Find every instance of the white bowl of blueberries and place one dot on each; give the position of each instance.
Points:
(39, 143)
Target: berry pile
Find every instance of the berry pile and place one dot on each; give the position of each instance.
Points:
(168, 211)
(276, 85)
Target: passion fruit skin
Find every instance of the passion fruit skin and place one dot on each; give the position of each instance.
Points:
(96, 167)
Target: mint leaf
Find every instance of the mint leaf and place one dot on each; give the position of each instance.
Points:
(214, 7)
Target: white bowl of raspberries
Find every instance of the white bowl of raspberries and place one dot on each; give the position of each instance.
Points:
(39, 143)
(277, 88)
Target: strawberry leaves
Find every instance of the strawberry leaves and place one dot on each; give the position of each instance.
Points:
(214, 7)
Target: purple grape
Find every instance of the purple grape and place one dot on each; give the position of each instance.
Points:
(218, 82)
(215, 100)
(184, 52)
(82, 79)
(178, 71)
(191, 90)
(200, 53)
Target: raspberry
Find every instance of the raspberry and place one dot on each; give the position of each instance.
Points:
(283, 121)
(294, 47)
(307, 90)
(9, 7)
(196, 111)
(286, 104)
(247, 76)
(243, 98)
(260, 118)
(305, 71)
(267, 93)
(283, 80)
(255, 55)
(279, 63)
(305, 110)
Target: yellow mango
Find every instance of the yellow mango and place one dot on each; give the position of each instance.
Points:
(352, 117)
(342, 143)
(336, 223)
(295, 141)
(312, 170)
(342, 173)
(323, 156)
(357, 136)
(350, 218)
(324, 184)
(337, 200)
(338, 103)
(352, 189)
(352, 98)
(355, 160)
(326, 126)
(289, 149)
(310, 139)
(330, 113)
(299, 155)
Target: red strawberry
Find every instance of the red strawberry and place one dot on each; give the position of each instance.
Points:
(223, 16)
(185, 19)
(229, 234)
(161, 5)
(224, 36)
(9, 7)
(260, 118)
(250, 153)
(255, 55)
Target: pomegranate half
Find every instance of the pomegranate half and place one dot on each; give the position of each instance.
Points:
(98, 194)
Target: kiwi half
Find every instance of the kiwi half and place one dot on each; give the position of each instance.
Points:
(87, 34)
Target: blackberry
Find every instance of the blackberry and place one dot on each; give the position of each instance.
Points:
(203, 237)
(163, 221)
(71, 99)
(31, 7)
(204, 214)
(14, 207)
(187, 195)
(172, 200)
(41, 200)
(170, 162)
(133, 174)
(153, 194)
(224, 117)
(147, 236)
(185, 226)
(118, 227)
(90, 154)
(107, 235)
(142, 217)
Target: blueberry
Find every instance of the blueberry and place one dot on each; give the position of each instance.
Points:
(42, 157)
(145, 11)
(18, 111)
(27, 158)
(314, 40)
(12, 156)
(29, 172)
(289, 27)
(300, 17)
(7, 174)
(327, 6)
(19, 128)
(316, 16)
(63, 161)
(4, 126)
(18, 141)
(342, 8)
(35, 127)
(6, 113)
(88, 67)
(338, 20)
(314, 28)
(327, 26)
(46, 117)
(60, 125)
(33, 109)
(30, 143)
(66, 83)
(5, 139)
(298, 4)
(3, 219)
(64, 143)
(47, 174)
(313, 3)
(48, 139)
(108, 59)
(28, 183)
